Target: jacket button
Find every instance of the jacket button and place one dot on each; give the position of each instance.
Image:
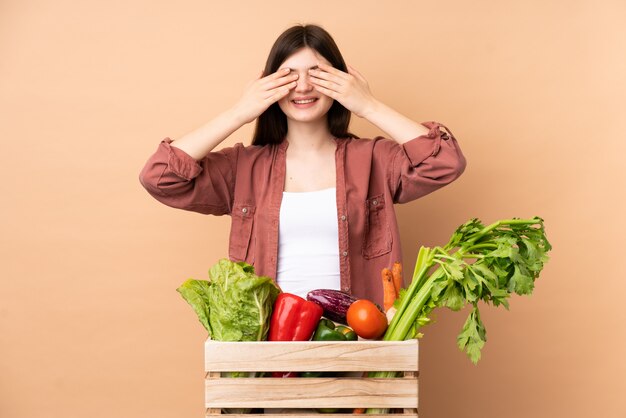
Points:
(343, 217)
(244, 210)
(375, 202)
(345, 253)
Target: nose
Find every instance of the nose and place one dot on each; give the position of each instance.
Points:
(302, 83)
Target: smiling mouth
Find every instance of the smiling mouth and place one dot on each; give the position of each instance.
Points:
(304, 101)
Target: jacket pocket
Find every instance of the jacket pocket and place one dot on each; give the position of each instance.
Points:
(241, 233)
(377, 239)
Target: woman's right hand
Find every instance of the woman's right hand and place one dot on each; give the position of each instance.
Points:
(263, 92)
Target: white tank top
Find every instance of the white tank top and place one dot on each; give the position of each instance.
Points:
(308, 242)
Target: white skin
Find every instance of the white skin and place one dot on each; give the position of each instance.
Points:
(310, 156)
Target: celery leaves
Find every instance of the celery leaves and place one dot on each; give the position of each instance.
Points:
(479, 263)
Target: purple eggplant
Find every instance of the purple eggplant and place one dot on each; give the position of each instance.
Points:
(334, 302)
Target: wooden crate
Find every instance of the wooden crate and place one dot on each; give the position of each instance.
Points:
(307, 393)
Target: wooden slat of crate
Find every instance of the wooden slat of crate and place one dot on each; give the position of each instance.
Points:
(311, 393)
(213, 411)
(311, 356)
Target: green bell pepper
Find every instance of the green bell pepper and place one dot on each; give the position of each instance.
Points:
(347, 332)
(326, 332)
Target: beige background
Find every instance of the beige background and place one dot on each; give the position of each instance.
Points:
(90, 323)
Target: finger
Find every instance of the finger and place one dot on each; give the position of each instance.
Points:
(272, 84)
(282, 72)
(332, 70)
(278, 74)
(277, 95)
(323, 75)
(327, 92)
(270, 93)
(326, 84)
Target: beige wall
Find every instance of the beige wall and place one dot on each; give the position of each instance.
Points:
(90, 324)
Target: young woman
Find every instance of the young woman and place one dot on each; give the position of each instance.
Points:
(311, 203)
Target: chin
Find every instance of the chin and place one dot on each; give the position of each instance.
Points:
(306, 118)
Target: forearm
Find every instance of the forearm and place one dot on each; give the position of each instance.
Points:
(397, 126)
(199, 142)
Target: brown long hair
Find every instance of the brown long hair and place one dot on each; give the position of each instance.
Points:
(271, 125)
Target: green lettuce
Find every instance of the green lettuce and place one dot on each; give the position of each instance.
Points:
(235, 304)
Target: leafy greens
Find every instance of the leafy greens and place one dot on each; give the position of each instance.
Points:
(235, 304)
(479, 263)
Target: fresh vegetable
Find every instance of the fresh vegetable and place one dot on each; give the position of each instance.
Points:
(235, 304)
(389, 290)
(366, 319)
(348, 332)
(334, 302)
(294, 319)
(479, 263)
(392, 284)
(326, 332)
(396, 273)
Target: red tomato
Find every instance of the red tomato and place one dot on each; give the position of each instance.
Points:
(366, 319)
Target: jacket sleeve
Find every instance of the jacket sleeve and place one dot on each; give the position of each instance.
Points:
(176, 179)
(425, 164)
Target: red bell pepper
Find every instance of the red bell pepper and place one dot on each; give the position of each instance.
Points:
(293, 319)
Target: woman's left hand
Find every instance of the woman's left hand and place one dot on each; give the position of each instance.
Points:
(350, 89)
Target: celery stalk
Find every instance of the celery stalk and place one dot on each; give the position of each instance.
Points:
(507, 255)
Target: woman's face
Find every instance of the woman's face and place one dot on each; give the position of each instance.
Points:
(304, 103)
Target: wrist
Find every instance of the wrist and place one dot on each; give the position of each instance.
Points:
(371, 109)
(235, 116)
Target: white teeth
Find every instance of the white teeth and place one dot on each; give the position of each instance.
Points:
(304, 101)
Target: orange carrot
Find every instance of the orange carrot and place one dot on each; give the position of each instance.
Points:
(389, 291)
(396, 272)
